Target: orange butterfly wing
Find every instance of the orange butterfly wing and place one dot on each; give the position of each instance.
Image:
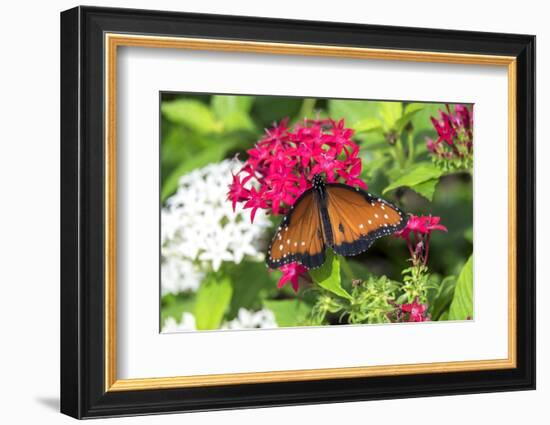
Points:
(299, 237)
(357, 218)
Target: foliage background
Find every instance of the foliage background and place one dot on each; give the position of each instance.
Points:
(197, 130)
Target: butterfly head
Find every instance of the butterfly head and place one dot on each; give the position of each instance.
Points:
(318, 181)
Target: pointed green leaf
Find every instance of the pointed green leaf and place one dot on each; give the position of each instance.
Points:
(413, 108)
(194, 114)
(426, 189)
(213, 298)
(462, 307)
(409, 112)
(420, 174)
(328, 276)
(353, 111)
(233, 111)
(368, 125)
(223, 105)
(443, 297)
(390, 112)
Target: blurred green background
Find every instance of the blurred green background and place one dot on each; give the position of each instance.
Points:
(197, 130)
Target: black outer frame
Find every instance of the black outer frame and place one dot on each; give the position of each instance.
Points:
(82, 218)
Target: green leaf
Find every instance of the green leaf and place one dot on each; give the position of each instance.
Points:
(410, 110)
(174, 148)
(390, 112)
(413, 108)
(328, 276)
(223, 105)
(193, 114)
(462, 307)
(443, 298)
(469, 235)
(175, 305)
(233, 111)
(368, 125)
(238, 121)
(213, 298)
(426, 189)
(215, 153)
(252, 283)
(269, 109)
(421, 120)
(288, 312)
(353, 111)
(420, 174)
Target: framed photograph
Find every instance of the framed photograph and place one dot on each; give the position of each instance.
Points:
(261, 212)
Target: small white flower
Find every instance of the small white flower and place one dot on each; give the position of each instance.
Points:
(199, 228)
(179, 275)
(187, 323)
(247, 319)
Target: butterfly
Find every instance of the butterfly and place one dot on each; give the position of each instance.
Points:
(334, 215)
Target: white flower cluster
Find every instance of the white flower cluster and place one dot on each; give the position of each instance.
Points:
(187, 323)
(200, 230)
(246, 319)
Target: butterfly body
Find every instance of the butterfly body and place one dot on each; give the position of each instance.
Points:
(334, 215)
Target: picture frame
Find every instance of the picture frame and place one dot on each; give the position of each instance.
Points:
(90, 41)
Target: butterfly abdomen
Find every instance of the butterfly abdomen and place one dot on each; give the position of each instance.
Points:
(327, 228)
(321, 194)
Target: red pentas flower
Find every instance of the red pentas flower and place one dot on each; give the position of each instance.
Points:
(463, 117)
(421, 225)
(432, 223)
(416, 311)
(255, 200)
(291, 273)
(420, 228)
(454, 144)
(444, 127)
(237, 191)
(281, 166)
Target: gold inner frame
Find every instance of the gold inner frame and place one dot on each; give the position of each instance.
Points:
(113, 41)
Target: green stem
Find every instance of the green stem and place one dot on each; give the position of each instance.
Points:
(410, 142)
(399, 152)
(307, 108)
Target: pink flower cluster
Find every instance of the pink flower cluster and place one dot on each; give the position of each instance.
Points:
(454, 131)
(281, 166)
(291, 273)
(417, 235)
(415, 311)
